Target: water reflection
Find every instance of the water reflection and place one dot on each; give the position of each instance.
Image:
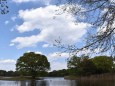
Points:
(52, 82)
(56, 82)
(96, 83)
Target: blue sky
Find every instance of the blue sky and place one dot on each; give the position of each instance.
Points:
(33, 25)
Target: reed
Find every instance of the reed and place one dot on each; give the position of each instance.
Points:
(107, 76)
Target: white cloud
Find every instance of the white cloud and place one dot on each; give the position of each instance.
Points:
(57, 55)
(58, 65)
(50, 25)
(12, 44)
(54, 59)
(6, 22)
(26, 41)
(7, 64)
(46, 45)
(37, 52)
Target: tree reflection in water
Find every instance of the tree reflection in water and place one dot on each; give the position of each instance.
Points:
(33, 83)
(62, 82)
(38, 83)
(23, 83)
(28, 83)
(96, 83)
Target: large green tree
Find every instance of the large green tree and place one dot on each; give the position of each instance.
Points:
(32, 64)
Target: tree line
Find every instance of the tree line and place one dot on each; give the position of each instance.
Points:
(37, 65)
(85, 65)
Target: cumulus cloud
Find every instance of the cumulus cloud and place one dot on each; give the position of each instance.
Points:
(58, 65)
(46, 45)
(57, 55)
(7, 64)
(58, 60)
(50, 25)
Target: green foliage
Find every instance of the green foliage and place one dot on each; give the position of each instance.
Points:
(58, 73)
(8, 73)
(73, 62)
(32, 64)
(103, 63)
(81, 65)
(2, 72)
(87, 66)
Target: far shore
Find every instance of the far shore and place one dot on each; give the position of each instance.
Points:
(18, 78)
(108, 76)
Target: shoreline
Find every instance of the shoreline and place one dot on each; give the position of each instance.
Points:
(18, 78)
(92, 77)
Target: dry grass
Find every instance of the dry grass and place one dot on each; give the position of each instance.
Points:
(108, 76)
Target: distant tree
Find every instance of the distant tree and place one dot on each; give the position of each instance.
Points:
(103, 64)
(58, 73)
(3, 7)
(10, 73)
(2, 72)
(32, 63)
(101, 15)
(81, 65)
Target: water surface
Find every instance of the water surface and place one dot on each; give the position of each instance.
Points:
(56, 82)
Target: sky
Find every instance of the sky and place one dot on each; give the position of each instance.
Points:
(33, 26)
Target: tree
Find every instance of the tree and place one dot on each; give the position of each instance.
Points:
(103, 64)
(81, 65)
(88, 67)
(58, 73)
(74, 62)
(101, 15)
(32, 63)
(2, 72)
(3, 7)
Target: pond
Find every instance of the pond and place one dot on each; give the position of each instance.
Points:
(56, 82)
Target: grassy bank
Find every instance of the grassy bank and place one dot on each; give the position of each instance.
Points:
(108, 76)
(20, 78)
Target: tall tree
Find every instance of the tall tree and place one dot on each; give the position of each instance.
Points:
(32, 63)
(101, 15)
